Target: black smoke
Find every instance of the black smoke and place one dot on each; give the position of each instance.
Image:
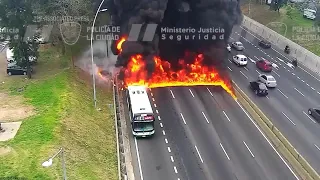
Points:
(180, 14)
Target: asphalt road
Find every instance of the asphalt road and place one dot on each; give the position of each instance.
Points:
(208, 136)
(286, 105)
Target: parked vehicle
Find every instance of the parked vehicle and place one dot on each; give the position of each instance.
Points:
(309, 13)
(315, 113)
(228, 48)
(238, 45)
(17, 70)
(268, 80)
(10, 59)
(265, 44)
(240, 60)
(264, 65)
(259, 88)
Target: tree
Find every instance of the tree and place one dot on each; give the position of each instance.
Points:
(15, 16)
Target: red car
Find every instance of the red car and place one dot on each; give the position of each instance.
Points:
(264, 65)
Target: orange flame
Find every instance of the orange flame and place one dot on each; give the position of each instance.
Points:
(119, 44)
(163, 75)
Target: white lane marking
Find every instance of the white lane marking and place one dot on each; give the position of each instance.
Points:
(299, 91)
(153, 99)
(138, 157)
(161, 125)
(169, 149)
(225, 152)
(268, 55)
(309, 74)
(163, 132)
(256, 57)
(248, 149)
(267, 97)
(280, 59)
(151, 94)
(172, 94)
(253, 61)
(225, 114)
(293, 74)
(199, 154)
(229, 68)
(276, 73)
(317, 147)
(166, 140)
(313, 88)
(157, 111)
(159, 118)
(258, 72)
(184, 121)
(288, 118)
(308, 116)
(175, 169)
(230, 61)
(307, 84)
(298, 77)
(205, 117)
(246, 68)
(302, 80)
(267, 140)
(284, 67)
(172, 160)
(191, 92)
(244, 75)
(210, 92)
(155, 105)
(318, 92)
(282, 93)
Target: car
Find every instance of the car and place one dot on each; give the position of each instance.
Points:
(17, 70)
(265, 44)
(259, 88)
(240, 60)
(264, 65)
(228, 48)
(238, 45)
(315, 113)
(268, 80)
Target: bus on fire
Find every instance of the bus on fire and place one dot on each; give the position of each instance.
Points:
(140, 111)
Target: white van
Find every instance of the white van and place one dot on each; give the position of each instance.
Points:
(309, 13)
(240, 60)
(10, 60)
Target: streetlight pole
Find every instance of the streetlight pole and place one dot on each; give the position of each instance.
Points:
(49, 162)
(92, 62)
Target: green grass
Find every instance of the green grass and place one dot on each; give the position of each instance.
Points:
(294, 18)
(65, 117)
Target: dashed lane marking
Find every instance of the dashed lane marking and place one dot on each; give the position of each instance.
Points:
(288, 118)
(184, 121)
(169, 149)
(205, 117)
(244, 75)
(161, 125)
(172, 160)
(308, 116)
(172, 94)
(299, 92)
(210, 92)
(199, 154)
(225, 152)
(175, 169)
(159, 118)
(229, 68)
(317, 147)
(157, 111)
(283, 93)
(155, 105)
(191, 93)
(248, 149)
(225, 114)
(163, 132)
(166, 140)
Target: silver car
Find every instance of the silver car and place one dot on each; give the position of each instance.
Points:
(238, 45)
(269, 80)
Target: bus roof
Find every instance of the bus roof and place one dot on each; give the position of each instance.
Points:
(139, 98)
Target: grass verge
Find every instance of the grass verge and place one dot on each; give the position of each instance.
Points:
(65, 117)
(291, 17)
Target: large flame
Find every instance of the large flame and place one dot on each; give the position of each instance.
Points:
(163, 75)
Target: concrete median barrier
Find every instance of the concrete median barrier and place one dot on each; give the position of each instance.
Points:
(299, 165)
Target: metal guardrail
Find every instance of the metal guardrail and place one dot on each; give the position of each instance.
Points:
(116, 119)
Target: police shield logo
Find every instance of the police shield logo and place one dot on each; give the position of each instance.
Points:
(70, 32)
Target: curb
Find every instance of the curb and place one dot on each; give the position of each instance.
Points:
(300, 166)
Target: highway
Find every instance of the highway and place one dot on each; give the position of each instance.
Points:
(286, 105)
(202, 133)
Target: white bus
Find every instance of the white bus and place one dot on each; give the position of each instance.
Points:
(140, 111)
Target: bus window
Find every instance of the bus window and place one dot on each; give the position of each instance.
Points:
(143, 126)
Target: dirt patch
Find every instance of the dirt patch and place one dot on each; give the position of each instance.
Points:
(10, 130)
(5, 150)
(13, 109)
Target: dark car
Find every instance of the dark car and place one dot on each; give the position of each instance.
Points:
(264, 65)
(16, 70)
(265, 44)
(259, 88)
(315, 113)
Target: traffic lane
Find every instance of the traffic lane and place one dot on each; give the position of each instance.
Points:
(150, 159)
(268, 164)
(183, 151)
(277, 56)
(210, 147)
(298, 136)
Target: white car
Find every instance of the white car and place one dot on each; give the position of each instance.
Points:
(238, 45)
(229, 48)
(240, 60)
(269, 80)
